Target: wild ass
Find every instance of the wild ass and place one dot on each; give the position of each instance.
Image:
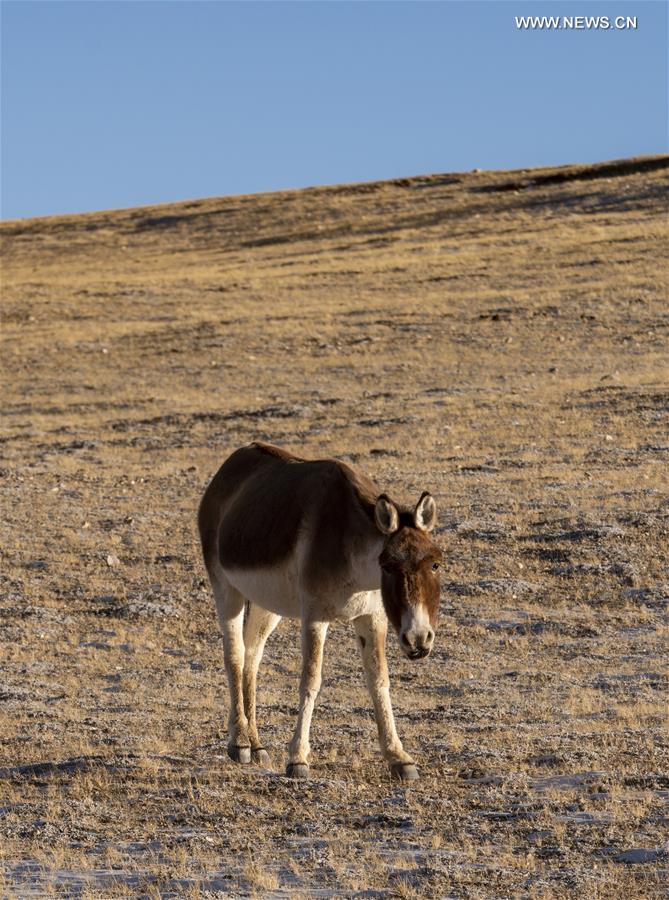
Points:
(316, 541)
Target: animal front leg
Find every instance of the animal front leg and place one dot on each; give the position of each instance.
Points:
(371, 633)
(313, 638)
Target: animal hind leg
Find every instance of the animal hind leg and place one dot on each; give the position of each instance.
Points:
(259, 624)
(230, 608)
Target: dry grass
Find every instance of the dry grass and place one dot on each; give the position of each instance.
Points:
(498, 338)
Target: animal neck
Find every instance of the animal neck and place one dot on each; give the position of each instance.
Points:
(365, 568)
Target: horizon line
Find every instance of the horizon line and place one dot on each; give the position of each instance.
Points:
(329, 186)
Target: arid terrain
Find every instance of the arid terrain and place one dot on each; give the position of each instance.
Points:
(497, 338)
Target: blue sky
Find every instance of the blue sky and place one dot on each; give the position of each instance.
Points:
(115, 104)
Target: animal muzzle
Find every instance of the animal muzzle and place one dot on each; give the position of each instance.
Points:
(416, 642)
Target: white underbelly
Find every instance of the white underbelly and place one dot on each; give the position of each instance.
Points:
(272, 587)
(276, 589)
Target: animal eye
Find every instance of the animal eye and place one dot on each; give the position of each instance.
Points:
(435, 567)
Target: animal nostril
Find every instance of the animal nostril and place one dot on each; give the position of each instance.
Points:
(404, 640)
(424, 642)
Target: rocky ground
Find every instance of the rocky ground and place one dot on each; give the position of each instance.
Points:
(499, 339)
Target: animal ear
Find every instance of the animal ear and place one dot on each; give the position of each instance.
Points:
(425, 514)
(385, 515)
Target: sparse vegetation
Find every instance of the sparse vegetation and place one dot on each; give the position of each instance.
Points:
(498, 338)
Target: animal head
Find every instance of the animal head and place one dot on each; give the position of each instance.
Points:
(410, 563)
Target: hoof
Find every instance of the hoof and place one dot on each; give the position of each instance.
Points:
(297, 770)
(239, 754)
(260, 756)
(404, 771)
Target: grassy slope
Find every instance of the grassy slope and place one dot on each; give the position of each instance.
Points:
(498, 338)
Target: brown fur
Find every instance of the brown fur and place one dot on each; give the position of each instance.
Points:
(408, 574)
(235, 516)
(238, 528)
(336, 531)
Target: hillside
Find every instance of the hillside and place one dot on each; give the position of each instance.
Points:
(498, 338)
